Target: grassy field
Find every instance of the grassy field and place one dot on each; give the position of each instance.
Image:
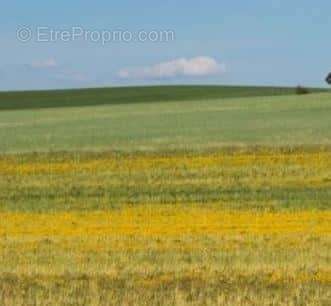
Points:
(133, 95)
(190, 125)
(265, 179)
(203, 202)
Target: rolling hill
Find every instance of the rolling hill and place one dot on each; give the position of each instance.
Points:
(132, 95)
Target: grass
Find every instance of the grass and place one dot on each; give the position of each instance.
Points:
(267, 180)
(130, 95)
(243, 227)
(236, 270)
(159, 126)
(201, 202)
(164, 256)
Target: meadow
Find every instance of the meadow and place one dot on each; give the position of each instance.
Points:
(133, 95)
(196, 125)
(216, 201)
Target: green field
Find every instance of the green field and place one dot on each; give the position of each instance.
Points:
(119, 197)
(130, 95)
(198, 123)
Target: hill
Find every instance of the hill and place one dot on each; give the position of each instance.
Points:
(130, 95)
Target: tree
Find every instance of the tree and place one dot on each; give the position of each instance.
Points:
(328, 79)
(301, 90)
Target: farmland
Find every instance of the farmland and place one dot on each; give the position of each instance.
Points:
(134, 95)
(201, 124)
(222, 200)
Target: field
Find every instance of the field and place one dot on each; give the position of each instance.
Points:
(133, 95)
(216, 201)
(162, 126)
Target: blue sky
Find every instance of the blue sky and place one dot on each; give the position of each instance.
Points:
(216, 42)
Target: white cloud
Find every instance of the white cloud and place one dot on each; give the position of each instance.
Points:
(44, 64)
(194, 67)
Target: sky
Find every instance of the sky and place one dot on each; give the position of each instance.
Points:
(74, 44)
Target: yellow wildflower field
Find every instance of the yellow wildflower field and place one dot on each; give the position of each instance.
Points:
(165, 221)
(236, 227)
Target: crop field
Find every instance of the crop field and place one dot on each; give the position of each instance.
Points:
(196, 125)
(134, 95)
(222, 201)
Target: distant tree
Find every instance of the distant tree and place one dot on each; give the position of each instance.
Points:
(328, 79)
(301, 90)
